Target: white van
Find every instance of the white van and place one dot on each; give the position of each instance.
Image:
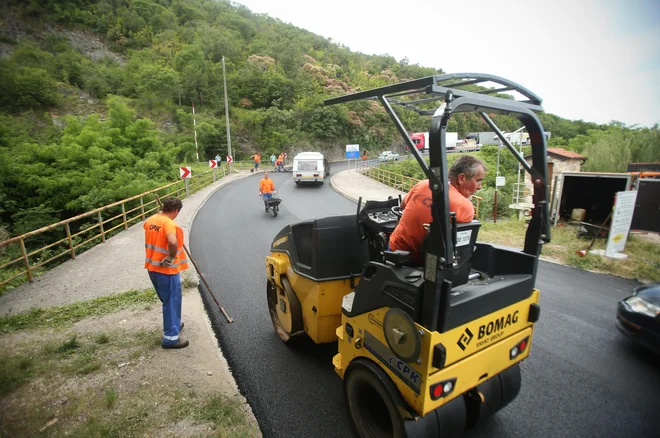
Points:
(309, 167)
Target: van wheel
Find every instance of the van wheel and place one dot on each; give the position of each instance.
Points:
(297, 182)
(284, 308)
(373, 401)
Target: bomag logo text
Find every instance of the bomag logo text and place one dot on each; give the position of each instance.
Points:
(498, 324)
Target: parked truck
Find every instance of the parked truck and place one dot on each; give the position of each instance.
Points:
(421, 140)
(483, 138)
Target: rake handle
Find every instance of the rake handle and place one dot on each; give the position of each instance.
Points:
(229, 318)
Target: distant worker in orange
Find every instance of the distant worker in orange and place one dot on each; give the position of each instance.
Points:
(163, 243)
(266, 189)
(257, 160)
(364, 155)
(465, 177)
(280, 162)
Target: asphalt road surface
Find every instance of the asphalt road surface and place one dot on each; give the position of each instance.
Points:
(583, 379)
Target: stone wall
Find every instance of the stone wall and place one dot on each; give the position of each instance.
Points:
(559, 166)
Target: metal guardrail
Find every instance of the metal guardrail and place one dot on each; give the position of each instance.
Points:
(401, 182)
(74, 235)
(362, 165)
(395, 180)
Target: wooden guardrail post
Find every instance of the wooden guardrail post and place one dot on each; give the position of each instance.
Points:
(123, 212)
(101, 225)
(25, 260)
(68, 235)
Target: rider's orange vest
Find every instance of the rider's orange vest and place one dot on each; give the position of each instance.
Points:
(155, 245)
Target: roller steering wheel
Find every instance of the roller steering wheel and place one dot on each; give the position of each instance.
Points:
(397, 210)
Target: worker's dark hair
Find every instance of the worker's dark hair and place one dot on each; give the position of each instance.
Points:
(172, 204)
(467, 164)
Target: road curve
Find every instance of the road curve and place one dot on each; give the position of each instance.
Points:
(581, 380)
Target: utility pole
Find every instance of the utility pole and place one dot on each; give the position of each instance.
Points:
(224, 77)
(497, 187)
(195, 129)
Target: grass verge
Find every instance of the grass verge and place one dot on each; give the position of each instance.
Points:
(643, 262)
(108, 383)
(71, 313)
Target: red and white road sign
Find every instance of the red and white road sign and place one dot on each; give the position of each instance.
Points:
(230, 159)
(185, 172)
(213, 164)
(284, 154)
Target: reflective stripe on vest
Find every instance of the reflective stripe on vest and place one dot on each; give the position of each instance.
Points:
(156, 247)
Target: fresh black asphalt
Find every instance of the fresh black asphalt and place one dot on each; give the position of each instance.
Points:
(583, 379)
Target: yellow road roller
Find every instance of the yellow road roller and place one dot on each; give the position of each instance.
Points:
(424, 350)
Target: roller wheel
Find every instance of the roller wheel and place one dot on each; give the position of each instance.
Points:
(511, 381)
(492, 395)
(284, 309)
(373, 401)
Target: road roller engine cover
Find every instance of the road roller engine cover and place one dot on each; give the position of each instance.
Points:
(430, 349)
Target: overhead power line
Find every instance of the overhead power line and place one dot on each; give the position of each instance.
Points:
(195, 27)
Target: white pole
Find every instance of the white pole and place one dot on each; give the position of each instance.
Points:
(519, 168)
(195, 127)
(224, 78)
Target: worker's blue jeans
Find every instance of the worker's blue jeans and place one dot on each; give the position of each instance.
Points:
(168, 288)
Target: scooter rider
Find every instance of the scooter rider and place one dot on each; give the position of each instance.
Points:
(266, 189)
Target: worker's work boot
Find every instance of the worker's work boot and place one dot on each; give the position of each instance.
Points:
(181, 343)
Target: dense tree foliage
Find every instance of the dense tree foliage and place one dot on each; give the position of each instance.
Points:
(95, 99)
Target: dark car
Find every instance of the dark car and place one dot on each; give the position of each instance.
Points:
(638, 316)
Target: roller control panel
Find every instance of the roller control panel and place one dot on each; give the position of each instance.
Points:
(382, 217)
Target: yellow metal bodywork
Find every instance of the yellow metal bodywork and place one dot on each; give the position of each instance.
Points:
(320, 301)
(485, 355)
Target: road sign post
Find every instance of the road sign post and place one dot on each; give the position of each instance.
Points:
(213, 164)
(352, 153)
(186, 174)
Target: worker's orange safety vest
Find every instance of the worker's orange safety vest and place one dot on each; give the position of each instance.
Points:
(155, 245)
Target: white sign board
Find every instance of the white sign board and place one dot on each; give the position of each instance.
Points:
(463, 238)
(352, 151)
(185, 172)
(623, 214)
(500, 181)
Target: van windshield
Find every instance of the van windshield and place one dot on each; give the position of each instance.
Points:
(308, 165)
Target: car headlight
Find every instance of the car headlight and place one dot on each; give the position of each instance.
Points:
(640, 306)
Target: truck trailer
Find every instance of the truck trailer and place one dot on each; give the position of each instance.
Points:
(421, 140)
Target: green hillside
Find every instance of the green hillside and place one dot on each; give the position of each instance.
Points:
(96, 97)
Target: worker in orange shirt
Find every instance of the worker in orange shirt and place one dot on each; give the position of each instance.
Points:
(163, 243)
(280, 162)
(465, 177)
(266, 189)
(257, 160)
